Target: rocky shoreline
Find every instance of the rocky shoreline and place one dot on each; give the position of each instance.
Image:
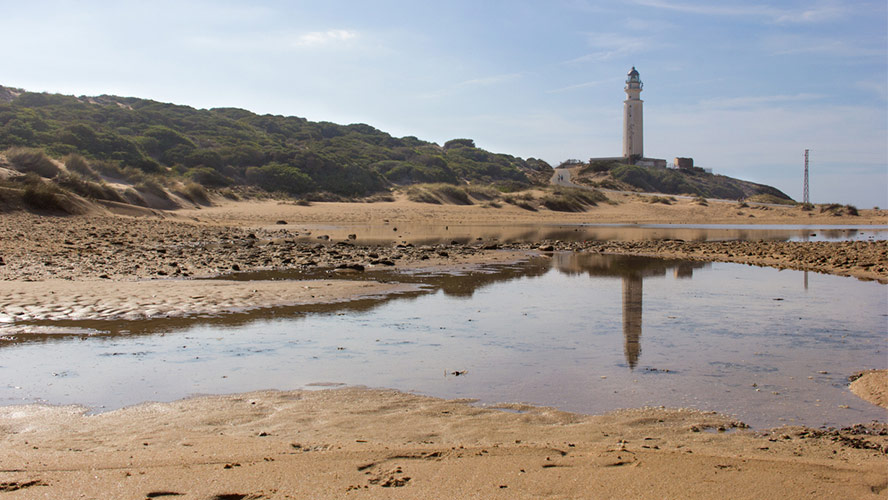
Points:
(35, 248)
(861, 259)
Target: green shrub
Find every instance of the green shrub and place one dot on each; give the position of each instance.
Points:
(280, 177)
(78, 165)
(151, 186)
(482, 192)
(207, 176)
(44, 196)
(584, 196)
(597, 166)
(770, 199)
(420, 194)
(109, 169)
(438, 193)
(660, 199)
(195, 193)
(134, 198)
(88, 189)
(32, 160)
(561, 203)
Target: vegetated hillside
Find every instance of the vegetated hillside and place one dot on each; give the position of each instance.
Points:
(130, 138)
(693, 181)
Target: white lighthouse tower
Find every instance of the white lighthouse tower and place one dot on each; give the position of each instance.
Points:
(633, 144)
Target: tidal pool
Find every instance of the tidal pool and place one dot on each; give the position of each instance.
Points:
(581, 332)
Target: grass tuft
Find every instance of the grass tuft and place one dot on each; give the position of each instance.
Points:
(32, 160)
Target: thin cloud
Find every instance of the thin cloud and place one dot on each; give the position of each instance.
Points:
(607, 46)
(795, 44)
(490, 80)
(316, 38)
(753, 101)
(820, 13)
(578, 86)
(484, 81)
(276, 41)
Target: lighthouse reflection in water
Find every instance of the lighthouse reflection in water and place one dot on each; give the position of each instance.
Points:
(632, 270)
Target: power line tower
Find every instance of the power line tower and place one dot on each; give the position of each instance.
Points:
(806, 198)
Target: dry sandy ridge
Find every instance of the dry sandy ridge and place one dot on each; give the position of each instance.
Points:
(361, 443)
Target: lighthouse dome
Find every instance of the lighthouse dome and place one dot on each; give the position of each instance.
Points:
(633, 77)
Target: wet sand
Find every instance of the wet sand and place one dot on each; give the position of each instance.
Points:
(363, 443)
(360, 443)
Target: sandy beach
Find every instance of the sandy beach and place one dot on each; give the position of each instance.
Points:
(368, 443)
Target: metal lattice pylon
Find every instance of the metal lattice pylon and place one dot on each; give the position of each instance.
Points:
(806, 198)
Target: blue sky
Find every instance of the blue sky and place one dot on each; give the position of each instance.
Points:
(743, 88)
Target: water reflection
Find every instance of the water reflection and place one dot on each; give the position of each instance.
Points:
(562, 331)
(430, 234)
(631, 270)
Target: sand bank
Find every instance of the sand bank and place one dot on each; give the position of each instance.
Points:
(872, 385)
(379, 443)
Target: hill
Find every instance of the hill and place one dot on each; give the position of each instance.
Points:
(58, 152)
(693, 181)
(230, 147)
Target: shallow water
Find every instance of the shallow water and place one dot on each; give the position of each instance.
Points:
(428, 234)
(582, 332)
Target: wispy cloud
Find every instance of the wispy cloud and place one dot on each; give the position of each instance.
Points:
(583, 85)
(490, 80)
(880, 88)
(799, 44)
(481, 81)
(822, 12)
(755, 101)
(607, 46)
(316, 38)
(277, 41)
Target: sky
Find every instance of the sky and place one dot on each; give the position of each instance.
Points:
(742, 87)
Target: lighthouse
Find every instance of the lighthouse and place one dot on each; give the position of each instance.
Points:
(633, 145)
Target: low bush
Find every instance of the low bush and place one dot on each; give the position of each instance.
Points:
(78, 165)
(32, 160)
(151, 186)
(88, 189)
(561, 203)
(44, 196)
(134, 198)
(438, 193)
(597, 166)
(206, 176)
(660, 199)
(482, 192)
(195, 193)
(770, 199)
(420, 194)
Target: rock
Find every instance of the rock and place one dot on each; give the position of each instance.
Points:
(281, 222)
(353, 236)
(235, 267)
(546, 248)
